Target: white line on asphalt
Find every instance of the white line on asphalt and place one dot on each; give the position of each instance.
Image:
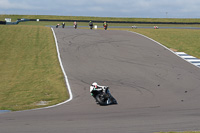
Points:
(66, 80)
(176, 53)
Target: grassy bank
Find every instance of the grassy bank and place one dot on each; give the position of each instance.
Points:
(44, 23)
(29, 69)
(15, 17)
(30, 72)
(182, 40)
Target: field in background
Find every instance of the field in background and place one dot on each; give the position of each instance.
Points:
(15, 17)
(182, 40)
(30, 75)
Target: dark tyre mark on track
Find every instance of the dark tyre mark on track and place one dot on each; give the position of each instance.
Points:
(150, 89)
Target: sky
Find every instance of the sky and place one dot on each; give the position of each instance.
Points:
(104, 8)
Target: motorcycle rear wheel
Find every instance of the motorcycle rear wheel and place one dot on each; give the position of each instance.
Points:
(101, 100)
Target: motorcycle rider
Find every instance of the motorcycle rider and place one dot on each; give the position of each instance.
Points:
(57, 25)
(63, 25)
(96, 87)
(105, 25)
(91, 25)
(75, 24)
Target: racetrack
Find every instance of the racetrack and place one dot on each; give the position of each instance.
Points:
(155, 89)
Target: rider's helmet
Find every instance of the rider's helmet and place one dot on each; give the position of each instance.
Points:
(94, 85)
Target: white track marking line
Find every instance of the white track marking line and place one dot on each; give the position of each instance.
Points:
(176, 53)
(66, 80)
(65, 75)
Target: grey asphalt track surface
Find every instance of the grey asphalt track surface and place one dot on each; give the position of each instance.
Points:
(155, 89)
(138, 27)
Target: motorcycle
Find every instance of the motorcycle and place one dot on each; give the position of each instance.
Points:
(105, 27)
(91, 25)
(75, 26)
(104, 97)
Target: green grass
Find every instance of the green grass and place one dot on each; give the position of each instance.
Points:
(45, 23)
(29, 68)
(182, 40)
(15, 17)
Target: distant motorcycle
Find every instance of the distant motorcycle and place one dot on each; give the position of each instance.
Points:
(104, 97)
(105, 27)
(91, 25)
(75, 25)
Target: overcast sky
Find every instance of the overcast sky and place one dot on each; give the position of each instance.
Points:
(104, 8)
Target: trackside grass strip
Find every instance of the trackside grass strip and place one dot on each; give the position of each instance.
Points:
(182, 40)
(30, 75)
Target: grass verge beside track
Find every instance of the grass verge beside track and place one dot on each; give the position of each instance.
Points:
(182, 40)
(30, 75)
(29, 69)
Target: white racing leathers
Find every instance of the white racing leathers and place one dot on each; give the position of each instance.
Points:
(102, 95)
(99, 88)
